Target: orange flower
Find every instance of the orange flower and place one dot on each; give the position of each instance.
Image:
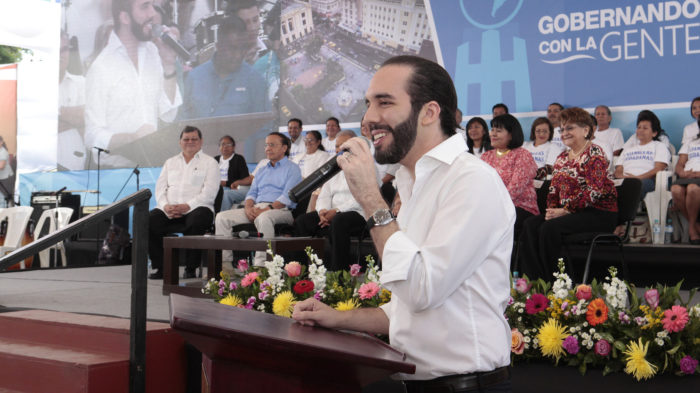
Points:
(597, 312)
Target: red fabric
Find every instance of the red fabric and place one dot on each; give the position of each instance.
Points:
(582, 182)
(517, 170)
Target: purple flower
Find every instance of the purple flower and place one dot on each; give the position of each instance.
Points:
(355, 270)
(242, 265)
(564, 306)
(222, 283)
(571, 345)
(652, 298)
(263, 295)
(511, 301)
(233, 286)
(602, 347)
(221, 291)
(624, 318)
(251, 302)
(688, 365)
(317, 295)
(522, 286)
(641, 321)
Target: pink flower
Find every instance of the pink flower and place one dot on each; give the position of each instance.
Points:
(602, 347)
(318, 295)
(233, 286)
(263, 295)
(570, 344)
(624, 318)
(355, 270)
(536, 303)
(652, 298)
(675, 319)
(222, 283)
(242, 265)
(522, 286)
(517, 342)
(293, 269)
(584, 292)
(251, 302)
(249, 279)
(688, 365)
(367, 291)
(221, 291)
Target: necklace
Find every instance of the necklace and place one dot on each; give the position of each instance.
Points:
(574, 154)
(502, 153)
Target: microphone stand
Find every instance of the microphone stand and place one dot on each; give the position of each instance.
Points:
(134, 172)
(97, 238)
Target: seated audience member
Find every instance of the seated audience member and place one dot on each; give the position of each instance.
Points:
(297, 147)
(315, 155)
(607, 148)
(499, 109)
(337, 216)
(478, 140)
(686, 190)
(515, 166)
(691, 130)
(185, 193)
(553, 111)
(332, 130)
(232, 168)
(540, 146)
(604, 133)
(649, 156)
(240, 187)
(267, 202)
(582, 198)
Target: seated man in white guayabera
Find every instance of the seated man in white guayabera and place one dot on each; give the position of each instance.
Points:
(267, 202)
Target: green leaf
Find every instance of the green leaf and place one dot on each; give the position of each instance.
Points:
(582, 368)
(620, 345)
(673, 350)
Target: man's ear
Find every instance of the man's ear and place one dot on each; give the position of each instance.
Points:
(430, 113)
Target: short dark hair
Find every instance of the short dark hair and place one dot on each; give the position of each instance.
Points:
(317, 136)
(119, 6)
(296, 120)
(189, 129)
(430, 82)
(234, 6)
(229, 137)
(285, 141)
(647, 115)
(512, 125)
(579, 117)
(537, 122)
(485, 141)
(691, 105)
(231, 24)
(606, 108)
(561, 107)
(500, 105)
(337, 122)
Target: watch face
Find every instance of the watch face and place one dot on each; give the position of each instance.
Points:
(382, 217)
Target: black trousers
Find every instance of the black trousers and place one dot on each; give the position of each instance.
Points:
(540, 241)
(196, 222)
(343, 225)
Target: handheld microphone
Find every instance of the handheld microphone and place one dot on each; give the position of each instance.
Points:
(101, 149)
(157, 32)
(60, 191)
(315, 180)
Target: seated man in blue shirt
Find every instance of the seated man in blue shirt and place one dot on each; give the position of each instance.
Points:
(226, 85)
(267, 202)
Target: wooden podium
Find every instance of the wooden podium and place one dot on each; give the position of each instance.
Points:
(250, 351)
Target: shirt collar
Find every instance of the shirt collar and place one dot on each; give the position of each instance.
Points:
(284, 159)
(196, 155)
(448, 150)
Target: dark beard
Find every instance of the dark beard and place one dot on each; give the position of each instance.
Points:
(137, 30)
(404, 137)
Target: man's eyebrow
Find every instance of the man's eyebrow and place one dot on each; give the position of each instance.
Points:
(380, 96)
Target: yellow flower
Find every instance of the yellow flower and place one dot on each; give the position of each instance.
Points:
(550, 337)
(555, 306)
(347, 305)
(384, 296)
(637, 364)
(283, 305)
(231, 300)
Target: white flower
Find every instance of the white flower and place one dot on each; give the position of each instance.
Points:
(527, 339)
(659, 342)
(662, 334)
(520, 319)
(572, 330)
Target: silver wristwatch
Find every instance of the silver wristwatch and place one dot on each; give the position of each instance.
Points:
(380, 217)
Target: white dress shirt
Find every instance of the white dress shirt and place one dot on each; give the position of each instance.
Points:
(121, 98)
(298, 149)
(195, 183)
(308, 163)
(328, 144)
(448, 266)
(335, 194)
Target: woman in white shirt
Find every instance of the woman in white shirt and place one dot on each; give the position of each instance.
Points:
(691, 130)
(315, 155)
(478, 140)
(686, 190)
(648, 157)
(543, 151)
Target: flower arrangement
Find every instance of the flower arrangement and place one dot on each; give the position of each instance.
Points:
(278, 286)
(604, 325)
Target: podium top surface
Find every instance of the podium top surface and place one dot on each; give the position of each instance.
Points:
(277, 336)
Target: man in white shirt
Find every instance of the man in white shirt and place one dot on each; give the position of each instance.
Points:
(131, 84)
(337, 216)
(185, 193)
(611, 136)
(553, 111)
(332, 129)
(298, 147)
(450, 246)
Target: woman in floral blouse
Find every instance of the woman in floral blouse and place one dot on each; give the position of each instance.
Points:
(582, 198)
(515, 165)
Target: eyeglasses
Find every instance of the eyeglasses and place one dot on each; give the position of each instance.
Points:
(188, 140)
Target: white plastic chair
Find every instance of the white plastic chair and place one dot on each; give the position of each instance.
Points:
(57, 218)
(657, 201)
(17, 220)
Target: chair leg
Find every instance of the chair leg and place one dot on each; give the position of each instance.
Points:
(588, 262)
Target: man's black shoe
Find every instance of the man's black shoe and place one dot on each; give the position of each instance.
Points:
(190, 273)
(157, 275)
